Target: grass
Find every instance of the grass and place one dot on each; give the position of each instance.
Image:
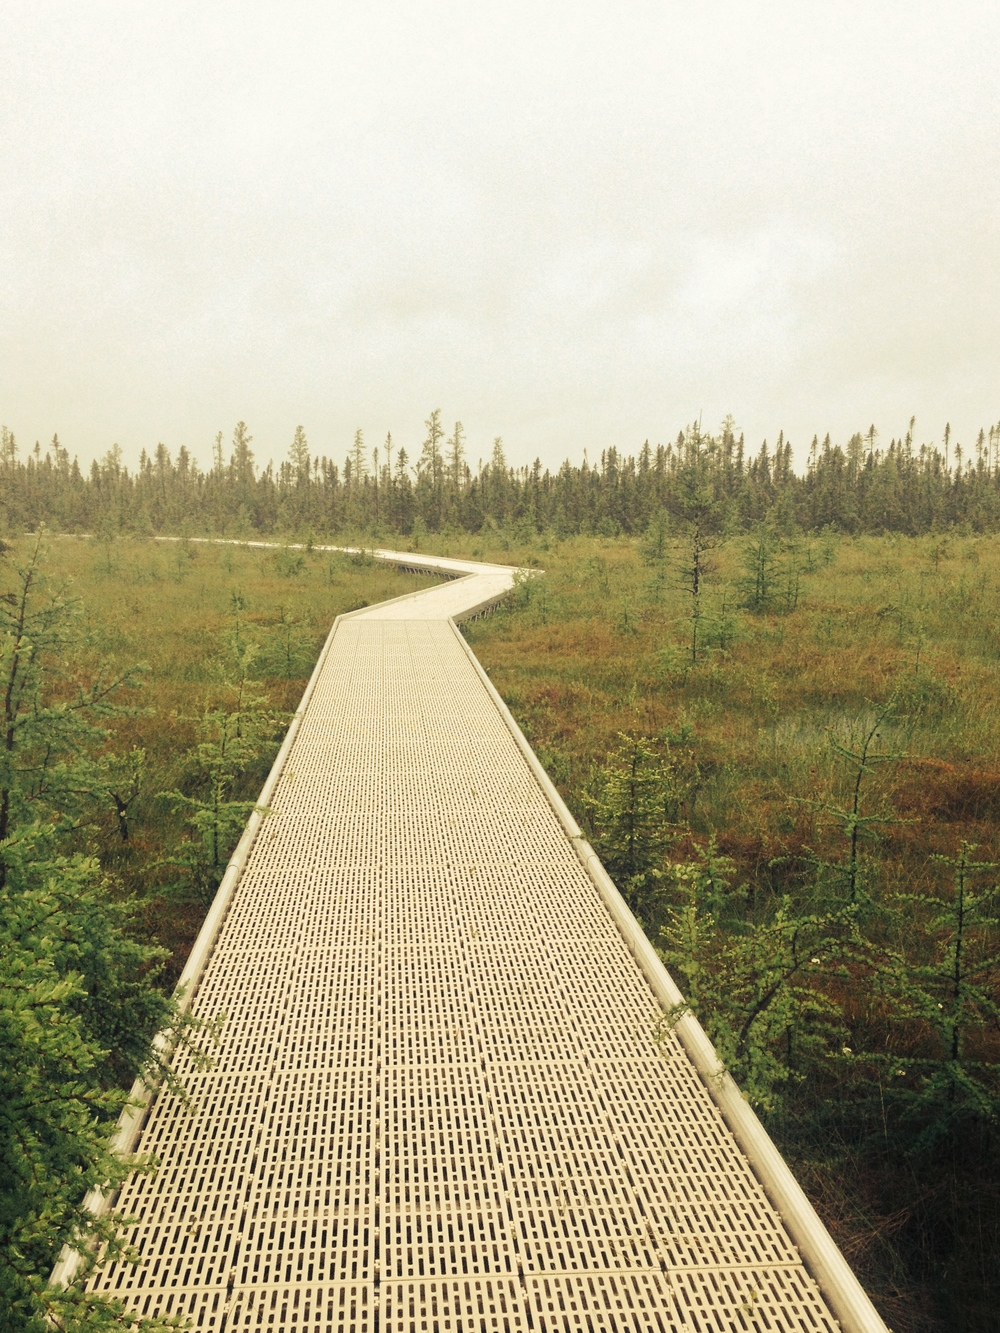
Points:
(902, 629)
(174, 607)
(601, 646)
(750, 720)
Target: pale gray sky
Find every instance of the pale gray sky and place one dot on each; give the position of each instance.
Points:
(572, 225)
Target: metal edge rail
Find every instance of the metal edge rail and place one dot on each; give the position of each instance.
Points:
(837, 1281)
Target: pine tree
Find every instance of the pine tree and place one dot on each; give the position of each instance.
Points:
(218, 456)
(847, 878)
(699, 512)
(759, 586)
(359, 463)
(79, 1003)
(949, 993)
(298, 457)
(759, 989)
(431, 464)
(78, 1012)
(241, 462)
(456, 456)
(236, 727)
(632, 804)
(8, 450)
(47, 777)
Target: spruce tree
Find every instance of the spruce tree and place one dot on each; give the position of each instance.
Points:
(79, 1004)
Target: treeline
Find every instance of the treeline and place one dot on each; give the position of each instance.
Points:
(858, 487)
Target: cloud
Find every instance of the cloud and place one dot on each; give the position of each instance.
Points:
(569, 226)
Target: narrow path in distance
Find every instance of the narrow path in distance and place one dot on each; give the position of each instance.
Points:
(443, 1101)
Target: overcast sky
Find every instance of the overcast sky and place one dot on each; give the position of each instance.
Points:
(569, 224)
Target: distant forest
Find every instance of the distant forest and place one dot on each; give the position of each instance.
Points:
(861, 486)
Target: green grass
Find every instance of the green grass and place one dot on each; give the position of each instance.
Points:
(596, 648)
(172, 606)
(601, 646)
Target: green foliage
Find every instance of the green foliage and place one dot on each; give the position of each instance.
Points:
(49, 719)
(121, 778)
(655, 545)
(707, 483)
(846, 747)
(772, 574)
(699, 512)
(288, 648)
(951, 995)
(634, 803)
(705, 882)
(531, 595)
(759, 990)
(78, 1013)
(289, 563)
(760, 576)
(845, 878)
(79, 1000)
(235, 729)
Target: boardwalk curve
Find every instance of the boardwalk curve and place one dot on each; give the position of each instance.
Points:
(442, 1103)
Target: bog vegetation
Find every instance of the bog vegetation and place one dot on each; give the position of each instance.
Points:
(144, 689)
(770, 699)
(793, 775)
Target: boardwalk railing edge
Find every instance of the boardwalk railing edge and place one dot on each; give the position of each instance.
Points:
(836, 1279)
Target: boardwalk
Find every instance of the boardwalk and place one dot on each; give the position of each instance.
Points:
(442, 1103)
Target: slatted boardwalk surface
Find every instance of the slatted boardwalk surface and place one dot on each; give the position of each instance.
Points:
(442, 1103)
